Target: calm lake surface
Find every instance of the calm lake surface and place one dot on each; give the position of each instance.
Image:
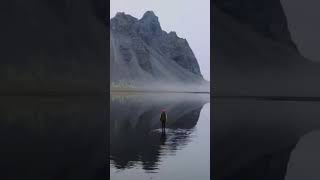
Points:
(49, 138)
(67, 138)
(138, 150)
(255, 138)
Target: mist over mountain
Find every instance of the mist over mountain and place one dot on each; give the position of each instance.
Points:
(254, 54)
(143, 56)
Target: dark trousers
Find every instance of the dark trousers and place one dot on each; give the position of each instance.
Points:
(163, 125)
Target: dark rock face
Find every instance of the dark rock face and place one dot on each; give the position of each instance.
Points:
(264, 16)
(53, 46)
(144, 41)
(123, 23)
(149, 27)
(249, 64)
(179, 50)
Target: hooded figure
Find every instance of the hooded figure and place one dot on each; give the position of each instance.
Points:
(163, 120)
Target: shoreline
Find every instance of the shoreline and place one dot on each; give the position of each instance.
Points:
(158, 92)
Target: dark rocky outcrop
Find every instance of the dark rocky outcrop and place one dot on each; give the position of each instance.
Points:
(264, 16)
(247, 62)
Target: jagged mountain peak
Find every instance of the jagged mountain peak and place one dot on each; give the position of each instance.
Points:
(123, 15)
(142, 52)
(122, 22)
(149, 24)
(149, 15)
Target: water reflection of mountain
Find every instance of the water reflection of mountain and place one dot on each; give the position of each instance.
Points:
(53, 138)
(253, 139)
(134, 125)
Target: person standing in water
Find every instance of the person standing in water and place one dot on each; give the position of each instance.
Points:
(163, 120)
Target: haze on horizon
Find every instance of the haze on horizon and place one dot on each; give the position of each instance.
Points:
(189, 19)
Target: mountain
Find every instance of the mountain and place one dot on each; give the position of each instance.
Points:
(266, 17)
(250, 60)
(143, 56)
(53, 47)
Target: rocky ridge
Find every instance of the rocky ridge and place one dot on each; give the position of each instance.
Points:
(142, 51)
(264, 16)
(249, 61)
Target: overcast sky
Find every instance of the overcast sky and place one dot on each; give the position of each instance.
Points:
(189, 18)
(304, 24)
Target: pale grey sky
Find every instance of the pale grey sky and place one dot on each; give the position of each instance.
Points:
(189, 18)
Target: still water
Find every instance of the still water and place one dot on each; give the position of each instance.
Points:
(263, 139)
(138, 149)
(53, 138)
(67, 138)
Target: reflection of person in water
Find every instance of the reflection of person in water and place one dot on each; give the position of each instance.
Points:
(163, 138)
(163, 120)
